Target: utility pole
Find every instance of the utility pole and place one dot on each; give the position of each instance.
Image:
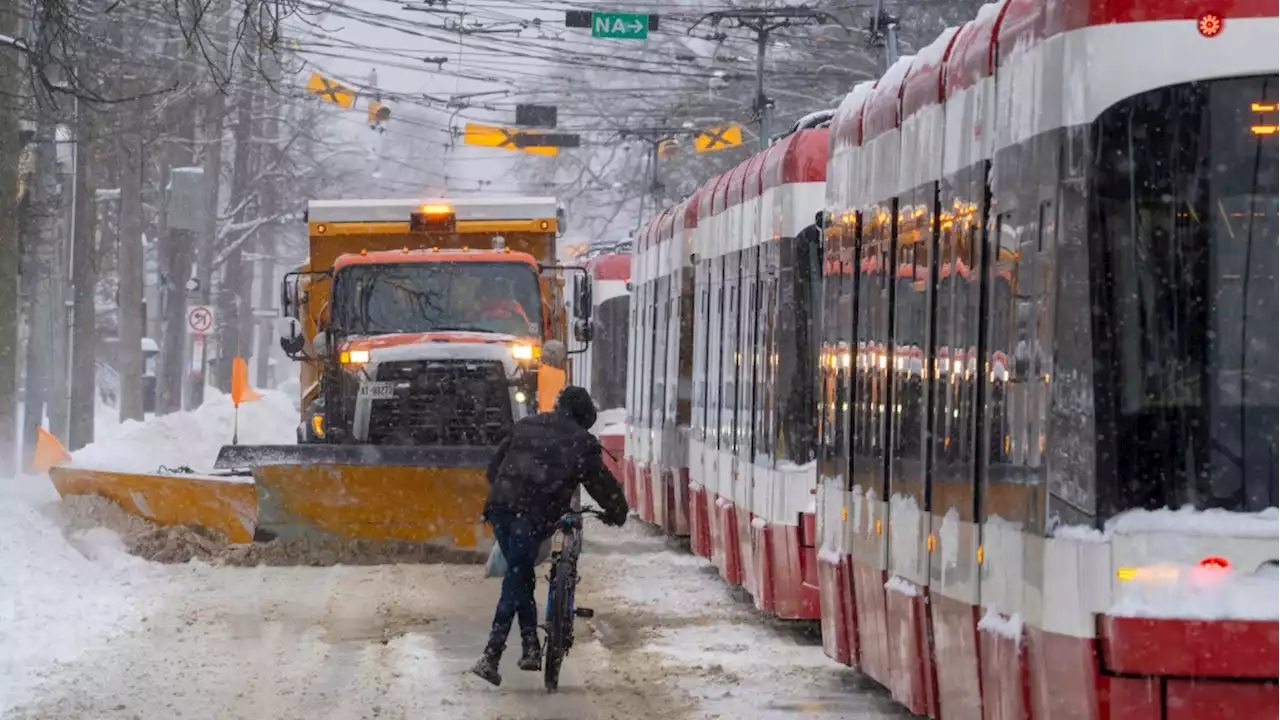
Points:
(269, 235)
(764, 22)
(184, 218)
(62, 300)
(882, 29)
(129, 256)
(37, 221)
(213, 116)
(82, 382)
(654, 138)
(10, 148)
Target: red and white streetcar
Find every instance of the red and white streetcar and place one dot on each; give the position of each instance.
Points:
(1008, 422)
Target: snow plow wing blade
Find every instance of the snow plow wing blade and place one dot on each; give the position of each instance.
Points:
(326, 493)
(169, 499)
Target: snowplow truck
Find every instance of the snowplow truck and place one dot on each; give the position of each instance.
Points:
(423, 331)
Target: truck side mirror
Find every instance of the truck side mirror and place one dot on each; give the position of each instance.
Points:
(582, 330)
(286, 299)
(582, 297)
(291, 339)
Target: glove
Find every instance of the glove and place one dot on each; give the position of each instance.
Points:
(615, 519)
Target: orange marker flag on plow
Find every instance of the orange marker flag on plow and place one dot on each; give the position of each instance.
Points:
(240, 390)
(49, 452)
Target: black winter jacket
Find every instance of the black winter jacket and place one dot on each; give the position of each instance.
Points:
(537, 468)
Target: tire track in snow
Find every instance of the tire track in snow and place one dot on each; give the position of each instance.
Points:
(340, 642)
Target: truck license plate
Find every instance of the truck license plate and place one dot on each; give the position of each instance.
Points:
(378, 390)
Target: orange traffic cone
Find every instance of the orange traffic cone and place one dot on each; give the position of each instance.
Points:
(48, 453)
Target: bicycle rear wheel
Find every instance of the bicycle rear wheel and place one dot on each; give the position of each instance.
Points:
(559, 621)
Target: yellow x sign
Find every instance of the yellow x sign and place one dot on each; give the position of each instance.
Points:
(497, 137)
(330, 91)
(718, 138)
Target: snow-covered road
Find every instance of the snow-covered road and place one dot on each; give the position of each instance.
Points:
(94, 633)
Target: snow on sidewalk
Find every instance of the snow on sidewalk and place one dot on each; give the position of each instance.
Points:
(59, 598)
(191, 438)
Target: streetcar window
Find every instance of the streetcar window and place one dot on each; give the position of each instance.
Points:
(700, 352)
(662, 306)
(609, 352)
(715, 355)
(684, 402)
(945, 380)
(752, 325)
(1184, 213)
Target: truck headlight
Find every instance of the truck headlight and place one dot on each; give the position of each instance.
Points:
(354, 357)
(524, 352)
(317, 425)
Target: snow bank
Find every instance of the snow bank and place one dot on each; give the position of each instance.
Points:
(60, 598)
(191, 438)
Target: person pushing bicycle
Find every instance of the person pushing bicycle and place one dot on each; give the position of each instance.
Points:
(533, 477)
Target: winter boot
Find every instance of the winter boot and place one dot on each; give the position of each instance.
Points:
(487, 667)
(531, 652)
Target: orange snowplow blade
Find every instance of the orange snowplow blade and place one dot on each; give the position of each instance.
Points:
(228, 507)
(434, 505)
(315, 494)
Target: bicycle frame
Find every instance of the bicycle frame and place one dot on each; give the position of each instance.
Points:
(567, 539)
(566, 548)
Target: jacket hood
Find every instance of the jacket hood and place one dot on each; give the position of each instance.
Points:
(576, 403)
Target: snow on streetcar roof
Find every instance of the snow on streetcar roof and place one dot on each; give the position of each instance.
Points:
(973, 55)
(923, 86)
(846, 128)
(882, 107)
(799, 158)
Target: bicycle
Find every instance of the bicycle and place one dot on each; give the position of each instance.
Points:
(566, 546)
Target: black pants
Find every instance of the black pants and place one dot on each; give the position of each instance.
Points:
(519, 542)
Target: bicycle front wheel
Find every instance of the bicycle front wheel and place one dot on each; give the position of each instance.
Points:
(559, 622)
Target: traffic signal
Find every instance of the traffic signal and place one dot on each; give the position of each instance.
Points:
(378, 114)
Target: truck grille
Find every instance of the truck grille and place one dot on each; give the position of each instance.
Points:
(449, 402)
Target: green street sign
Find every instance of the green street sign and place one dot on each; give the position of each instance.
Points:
(619, 26)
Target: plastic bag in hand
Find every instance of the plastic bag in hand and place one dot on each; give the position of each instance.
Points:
(496, 566)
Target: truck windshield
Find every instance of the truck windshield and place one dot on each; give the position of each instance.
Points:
(498, 297)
